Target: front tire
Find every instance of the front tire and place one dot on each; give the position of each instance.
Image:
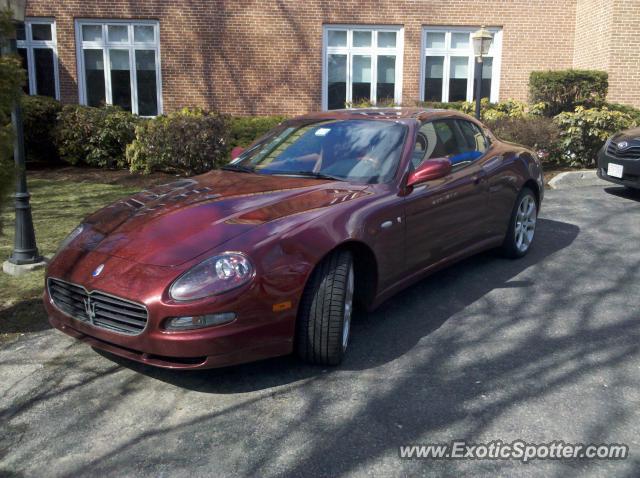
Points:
(522, 225)
(324, 318)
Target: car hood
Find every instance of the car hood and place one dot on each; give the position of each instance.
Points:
(174, 223)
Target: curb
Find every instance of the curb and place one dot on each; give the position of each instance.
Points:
(576, 179)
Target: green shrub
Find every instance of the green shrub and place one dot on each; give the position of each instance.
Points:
(454, 105)
(488, 111)
(504, 109)
(564, 90)
(39, 116)
(365, 103)
(189, 141)
(536, 132)
(630, 110)
(94, 136)
(585, 131)
(244, 130)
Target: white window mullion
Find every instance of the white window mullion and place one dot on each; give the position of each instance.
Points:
(397, 94)
(106, 54)
(30, 60)
(133, 81)
(158, 76)
(471, 77)
(56, 72)
(31, 65)
(445, 78)
(349, 85)
(133, 77)
(373, 93)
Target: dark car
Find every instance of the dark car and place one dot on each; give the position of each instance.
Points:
(269, 255)
(619, 159)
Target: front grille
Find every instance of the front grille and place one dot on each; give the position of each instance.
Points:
(631, 152)
(97, 308)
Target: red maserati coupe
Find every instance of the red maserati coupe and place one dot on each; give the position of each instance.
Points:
(268, 255)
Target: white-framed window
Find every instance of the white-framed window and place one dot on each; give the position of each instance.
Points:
(119, 64)
(361, 64)
(448, 65)
(36, 42)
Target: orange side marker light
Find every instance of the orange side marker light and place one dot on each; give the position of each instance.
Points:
(282, 306)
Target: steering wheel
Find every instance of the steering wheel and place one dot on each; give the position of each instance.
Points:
(371, 161)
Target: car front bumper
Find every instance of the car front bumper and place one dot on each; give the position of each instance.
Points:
(631, 170)
(260, 330)
(223, 359)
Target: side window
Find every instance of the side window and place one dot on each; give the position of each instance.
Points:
(473, 137)
(438, 139)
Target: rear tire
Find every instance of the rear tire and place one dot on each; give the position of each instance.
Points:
(324, 318)
(522, 225)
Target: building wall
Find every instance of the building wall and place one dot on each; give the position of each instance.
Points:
(607, 38)
(624, 53)
(594, 22)
(257, 57)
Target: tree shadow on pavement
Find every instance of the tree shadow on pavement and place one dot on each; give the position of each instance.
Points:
(393, 329)
(24, 317)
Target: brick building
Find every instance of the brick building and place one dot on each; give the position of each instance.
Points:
(293, 56)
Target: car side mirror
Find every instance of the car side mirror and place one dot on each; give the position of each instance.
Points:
(429, 170)
(237, 151)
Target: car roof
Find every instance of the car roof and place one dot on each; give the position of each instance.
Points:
(398, 113)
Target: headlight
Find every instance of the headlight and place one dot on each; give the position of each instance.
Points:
(70, 238)
(214, 276)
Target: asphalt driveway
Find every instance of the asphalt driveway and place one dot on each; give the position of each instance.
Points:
(545, 348)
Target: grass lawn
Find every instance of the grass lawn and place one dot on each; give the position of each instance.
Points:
(58, 206)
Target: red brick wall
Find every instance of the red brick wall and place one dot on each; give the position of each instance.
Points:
(607, 39)
(624, 53)
(594, 21)
(265, 57)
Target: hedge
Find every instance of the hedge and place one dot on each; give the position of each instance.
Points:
(189, 142)
(564, 90)
(245, 130)
(39, 114)
(94, 136)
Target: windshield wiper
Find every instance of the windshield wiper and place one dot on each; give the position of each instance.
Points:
(308, 174)
(238, 168)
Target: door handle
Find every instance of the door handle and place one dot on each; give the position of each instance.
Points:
(477, 179)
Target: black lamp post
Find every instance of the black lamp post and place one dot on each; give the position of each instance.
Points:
(481, 43)
(25, 255)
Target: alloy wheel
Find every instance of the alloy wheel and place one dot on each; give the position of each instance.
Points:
(348, 308)
(525, 223)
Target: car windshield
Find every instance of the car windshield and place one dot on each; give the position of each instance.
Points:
(352, 150)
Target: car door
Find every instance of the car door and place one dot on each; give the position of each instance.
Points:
(448, 215)
(499, 180)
